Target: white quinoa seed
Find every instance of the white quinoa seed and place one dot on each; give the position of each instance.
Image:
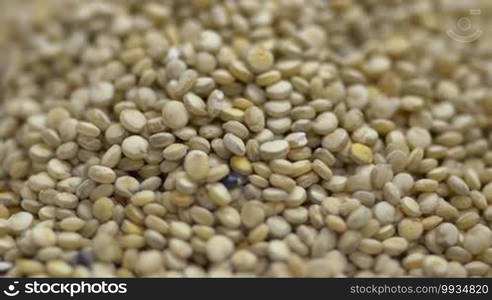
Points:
(175, 115)
(259, 59)
(102, 93)
(219, 248)
(196, 165)
(101, 174)
(135, 147)
(274, 149)
(133, 120)
(20, 221)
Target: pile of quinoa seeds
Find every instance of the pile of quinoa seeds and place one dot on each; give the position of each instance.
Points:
(258, 138)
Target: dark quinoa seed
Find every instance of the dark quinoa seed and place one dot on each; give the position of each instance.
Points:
(233, 180)
(84, 258)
